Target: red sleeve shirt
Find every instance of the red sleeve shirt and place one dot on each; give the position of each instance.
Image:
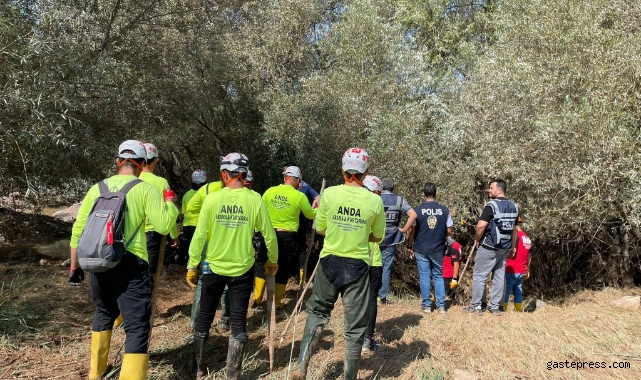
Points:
(518, 264)
(452, 255)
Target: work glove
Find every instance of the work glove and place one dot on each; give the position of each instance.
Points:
(76, 276)
(192, 278)
(271, 268)
(453, 284)
(527, 276)
(169, 195)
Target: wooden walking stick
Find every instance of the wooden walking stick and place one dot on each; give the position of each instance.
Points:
(155, 290)
(310, 243)
(300, 300)
(460, 277)
(271, 309)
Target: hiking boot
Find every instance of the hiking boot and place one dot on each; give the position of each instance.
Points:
(235, 357)
(369, 345)
(494, 311)
(200, 341)
(382, 301)
(471, 309)
(441, 309)
(427, 309)
(223, 326)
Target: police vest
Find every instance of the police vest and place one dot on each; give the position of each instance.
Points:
(498, 233)
(393, 205)
(431, 228)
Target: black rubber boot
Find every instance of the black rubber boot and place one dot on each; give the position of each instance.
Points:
(351, 368)
(235, 357)
(200, 341)
(307, 345)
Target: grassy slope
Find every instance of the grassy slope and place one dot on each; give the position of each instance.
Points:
(45, 334)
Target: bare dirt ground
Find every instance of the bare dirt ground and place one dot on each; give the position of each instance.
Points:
(45, 334)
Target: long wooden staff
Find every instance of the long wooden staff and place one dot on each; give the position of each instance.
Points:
(460, 277)
(271, 309)
(155, 290)
(300, 300)
(310, 243)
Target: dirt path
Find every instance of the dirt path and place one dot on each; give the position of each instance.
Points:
(45, 334)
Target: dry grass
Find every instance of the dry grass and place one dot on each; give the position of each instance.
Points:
(45, 330)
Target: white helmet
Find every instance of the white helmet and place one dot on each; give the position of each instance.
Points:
(135, 146)
(199, 176)
(250, 176)
(355, 161)
(293, 171)
(235, 162)
(372, 183)
(152, 152)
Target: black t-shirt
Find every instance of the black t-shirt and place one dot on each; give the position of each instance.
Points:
(488, 213)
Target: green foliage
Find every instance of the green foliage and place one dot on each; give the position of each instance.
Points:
(544, 94)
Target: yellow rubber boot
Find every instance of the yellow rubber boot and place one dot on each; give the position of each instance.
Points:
(504, 306)
(100, 341)
(518, 307)
(301, 280)
(134, 367)
(118, 321)
(279, 292)
(259, 291)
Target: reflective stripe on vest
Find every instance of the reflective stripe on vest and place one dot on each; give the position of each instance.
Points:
(393, 213)
(498, 233)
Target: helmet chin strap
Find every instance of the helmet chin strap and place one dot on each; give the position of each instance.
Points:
(133, 162)
(352, 178)
(228, 179)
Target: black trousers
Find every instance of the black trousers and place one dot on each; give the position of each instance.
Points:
(154, 240)
(287, 256)
(261, 255)
(375, 282)
(124, 289)
(185, 242)
(240, 289)
(446, 285)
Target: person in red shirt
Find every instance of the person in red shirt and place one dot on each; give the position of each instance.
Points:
(451, 263)
(517, 269)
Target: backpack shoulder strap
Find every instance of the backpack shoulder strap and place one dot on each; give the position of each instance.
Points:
(125, 189)
(103, 187)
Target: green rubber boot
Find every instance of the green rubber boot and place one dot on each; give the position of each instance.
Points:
(307, 345)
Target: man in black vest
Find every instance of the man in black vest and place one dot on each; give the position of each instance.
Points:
(395, 205)
(428, 242)
(496, 238)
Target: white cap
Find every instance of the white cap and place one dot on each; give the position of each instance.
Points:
(373, 183)
(355, 160)
(152, 152)
(199, 176)
(293, 171)
(250, 176)
(235, 162)
(135, 146)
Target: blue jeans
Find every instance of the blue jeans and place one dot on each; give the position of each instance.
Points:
(514, 284)
(388, 254)
(431, 264)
